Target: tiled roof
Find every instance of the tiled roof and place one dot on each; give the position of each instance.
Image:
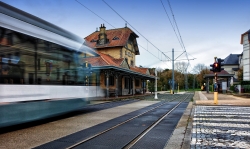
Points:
(95, 61)
(122, 34)
(104, 60)
(139, 69)
(110, 60)
(232, 59)
(107, 60)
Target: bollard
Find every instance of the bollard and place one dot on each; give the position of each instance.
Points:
(215, 97)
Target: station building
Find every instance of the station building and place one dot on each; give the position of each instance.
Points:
(117, 49)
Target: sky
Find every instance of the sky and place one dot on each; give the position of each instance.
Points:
(208, 28)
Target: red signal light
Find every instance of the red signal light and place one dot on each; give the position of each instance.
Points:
(216, 64)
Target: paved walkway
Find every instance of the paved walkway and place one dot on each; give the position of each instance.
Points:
(223, 99)
(225, 125)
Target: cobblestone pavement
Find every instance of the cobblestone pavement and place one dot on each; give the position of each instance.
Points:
(221, 127)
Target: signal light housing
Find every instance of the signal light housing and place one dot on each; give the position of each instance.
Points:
(220, 64)
(212, 69)
(216, 66)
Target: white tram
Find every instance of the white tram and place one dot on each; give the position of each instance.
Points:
(41, 69)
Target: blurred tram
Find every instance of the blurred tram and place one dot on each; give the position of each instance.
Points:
(41, 69)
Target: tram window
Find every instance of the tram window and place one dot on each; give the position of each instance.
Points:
(47, 46)
(29, 62)
(39, 64)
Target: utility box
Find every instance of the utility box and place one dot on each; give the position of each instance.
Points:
(224, 87)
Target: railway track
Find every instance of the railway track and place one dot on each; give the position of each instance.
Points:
(126, 131)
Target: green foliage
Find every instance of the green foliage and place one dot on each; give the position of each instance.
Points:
(211, 88)
(231, 88)
(159, 88)
(245, 82)
(246, 88)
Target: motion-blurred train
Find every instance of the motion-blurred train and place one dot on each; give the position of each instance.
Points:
(42, 72)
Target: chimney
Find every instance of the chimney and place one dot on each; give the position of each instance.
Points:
(102, 29)
(102, 35)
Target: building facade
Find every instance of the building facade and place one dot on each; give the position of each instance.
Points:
(245, 40)
(119, 74)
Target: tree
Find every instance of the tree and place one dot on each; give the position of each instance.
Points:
(199, 67)
(181, 66)
(240, 74)
(200, 76)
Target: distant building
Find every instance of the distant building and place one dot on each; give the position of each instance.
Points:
(245, 40)
(232, 64)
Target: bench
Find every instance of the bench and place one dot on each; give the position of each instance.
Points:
(138, 91)
(112, 92)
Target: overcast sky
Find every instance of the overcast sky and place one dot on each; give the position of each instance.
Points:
(208, 28)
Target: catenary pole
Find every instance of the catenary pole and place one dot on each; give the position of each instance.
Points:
(173, 70)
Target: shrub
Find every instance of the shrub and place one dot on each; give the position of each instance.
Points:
(246, 88)
(231, 88)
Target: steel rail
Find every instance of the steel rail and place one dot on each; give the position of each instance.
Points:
(111, 128)
(135, 140)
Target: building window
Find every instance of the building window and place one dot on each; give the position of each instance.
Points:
(93, 40)
(111, 81)
(132, 63)
(137, 82)
(126, 83)
(115, 38)
(126, 59)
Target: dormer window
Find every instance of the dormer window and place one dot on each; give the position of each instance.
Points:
(115, 38)
(93, 40)
(131, 63)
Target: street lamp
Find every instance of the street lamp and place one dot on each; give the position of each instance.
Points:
(87, 69)
(156, 84)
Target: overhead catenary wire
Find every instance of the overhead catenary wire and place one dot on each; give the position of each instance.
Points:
(171, 23)
(178, 32)
(180, 37)
(94, 13)
(135, 29)
(175, 23)
(115, 27)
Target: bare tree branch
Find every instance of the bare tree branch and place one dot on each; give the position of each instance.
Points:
(199, 67)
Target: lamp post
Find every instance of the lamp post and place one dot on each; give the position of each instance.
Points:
(87, 70)
(147, 85)
(156, 84)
